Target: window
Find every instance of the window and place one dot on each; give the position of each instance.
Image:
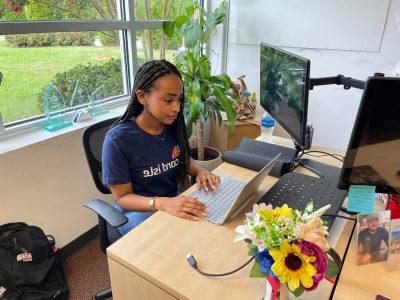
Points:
(68, 60)
(76, 45)
(152, 44)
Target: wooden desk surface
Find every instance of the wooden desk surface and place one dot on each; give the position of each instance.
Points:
(154, 254)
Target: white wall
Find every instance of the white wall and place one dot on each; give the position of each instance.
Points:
(332, 110)
(45, 184)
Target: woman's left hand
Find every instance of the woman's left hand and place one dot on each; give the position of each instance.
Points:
(206, 179)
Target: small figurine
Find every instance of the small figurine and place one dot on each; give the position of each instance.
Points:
(243, 108)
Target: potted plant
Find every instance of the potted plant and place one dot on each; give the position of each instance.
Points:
(206, 95)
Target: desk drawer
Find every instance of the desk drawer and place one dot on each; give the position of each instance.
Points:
(126, 284)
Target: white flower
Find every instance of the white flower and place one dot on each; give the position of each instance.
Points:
(244, 233)
(309, 212)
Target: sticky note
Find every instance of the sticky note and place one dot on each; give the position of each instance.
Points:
(361, 199)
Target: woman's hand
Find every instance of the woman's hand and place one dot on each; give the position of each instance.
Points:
(183, 207)
(205, 179)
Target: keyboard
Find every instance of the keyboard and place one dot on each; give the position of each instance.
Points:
(219, 201)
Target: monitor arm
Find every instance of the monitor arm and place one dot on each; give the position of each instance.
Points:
(347, 82)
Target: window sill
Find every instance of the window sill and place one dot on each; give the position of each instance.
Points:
(27, 137)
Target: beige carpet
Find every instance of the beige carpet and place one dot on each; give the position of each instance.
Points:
(87, 272)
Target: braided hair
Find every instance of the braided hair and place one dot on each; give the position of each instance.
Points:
(145, 77)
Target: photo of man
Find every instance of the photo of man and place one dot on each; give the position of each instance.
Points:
(373, 237)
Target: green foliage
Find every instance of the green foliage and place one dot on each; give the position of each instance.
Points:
(206, 95)
(91, 76)
(256, 272)
(7, 14)
(38, 10)
(298, 292)
(253, 250)
(108, 39)
(174, 43)
(156, 9)
(51, 39)
(332, 269)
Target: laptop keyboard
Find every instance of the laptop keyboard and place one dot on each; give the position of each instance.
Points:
(219, 201)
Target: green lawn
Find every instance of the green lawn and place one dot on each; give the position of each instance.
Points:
(27, 70)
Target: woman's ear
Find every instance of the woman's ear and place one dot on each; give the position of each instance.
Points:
(141, 95)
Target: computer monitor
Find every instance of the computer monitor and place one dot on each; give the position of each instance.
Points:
(373, 154)
(284, 84)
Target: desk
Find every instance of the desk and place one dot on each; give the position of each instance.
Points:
(149, 262)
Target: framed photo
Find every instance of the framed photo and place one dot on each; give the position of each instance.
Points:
(393, 261)
(373, 233)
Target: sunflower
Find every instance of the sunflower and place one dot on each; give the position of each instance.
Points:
(292, 267)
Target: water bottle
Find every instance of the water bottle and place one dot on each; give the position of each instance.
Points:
(267, 127)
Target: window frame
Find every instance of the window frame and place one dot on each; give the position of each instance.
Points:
(126, 25)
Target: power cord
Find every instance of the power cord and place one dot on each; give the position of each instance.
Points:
(193, 263)
(339, 157)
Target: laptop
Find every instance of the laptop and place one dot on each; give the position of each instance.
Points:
(231, 196)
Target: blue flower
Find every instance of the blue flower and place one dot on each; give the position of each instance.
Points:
(266, 261)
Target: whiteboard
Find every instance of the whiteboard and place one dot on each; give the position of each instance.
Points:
(323, 24)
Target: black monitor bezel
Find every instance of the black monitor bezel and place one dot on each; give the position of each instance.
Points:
(300, 140)
(359, 124)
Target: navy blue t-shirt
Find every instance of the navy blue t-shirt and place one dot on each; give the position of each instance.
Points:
(149, 162)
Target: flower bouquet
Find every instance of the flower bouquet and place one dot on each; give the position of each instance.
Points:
(290, 247)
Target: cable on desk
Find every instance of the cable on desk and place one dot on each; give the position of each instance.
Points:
(193, 263)
(339, 157)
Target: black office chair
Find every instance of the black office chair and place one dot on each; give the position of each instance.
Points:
(109, 217)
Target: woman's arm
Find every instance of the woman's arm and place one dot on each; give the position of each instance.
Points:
(180, 206)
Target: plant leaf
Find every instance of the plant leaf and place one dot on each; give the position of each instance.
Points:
(192, 34)
(183, 19)
(227, 107)
(332, 269)
(226, 80)
(253, 250)
(298, 292)
(204, 68)
(190, 9)
(196, 108)
(255, 271)
(168, 28)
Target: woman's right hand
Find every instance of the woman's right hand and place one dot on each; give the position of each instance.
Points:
(184, 207)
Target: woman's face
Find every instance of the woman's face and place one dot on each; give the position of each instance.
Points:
(164, 99)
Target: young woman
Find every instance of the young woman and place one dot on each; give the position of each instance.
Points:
(146, 153)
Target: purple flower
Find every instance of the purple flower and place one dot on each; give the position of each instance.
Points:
(266, 261)
(320, 262)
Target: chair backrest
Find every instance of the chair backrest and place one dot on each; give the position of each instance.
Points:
(93, 138)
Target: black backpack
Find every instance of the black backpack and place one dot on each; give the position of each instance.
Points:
(29, 267)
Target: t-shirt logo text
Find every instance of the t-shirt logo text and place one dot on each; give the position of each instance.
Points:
(163, 167)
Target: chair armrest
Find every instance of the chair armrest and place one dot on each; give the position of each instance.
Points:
(108, 212)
